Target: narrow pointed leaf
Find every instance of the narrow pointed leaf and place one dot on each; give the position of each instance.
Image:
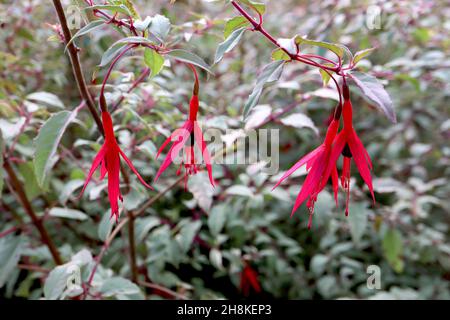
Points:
(228, 44)
(160, 27)
(337, 49)
(10, 248)
(362, 54)
(46, 98)
(91, 26)
(47, 142)
(270, 73)
(118, 46)
(67, 213)
(374, 91)
(186, 56)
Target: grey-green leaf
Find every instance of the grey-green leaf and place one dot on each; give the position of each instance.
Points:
(111, 53)
(105, 226)
(299, 120)
(91, 26)
(117, 286)
(357, 220)
(118, 46)
(202, 190)
(67, 213)
(240, 190)
(56, 282)
(47, 142)
(142, 25)
(228, 44)
(187, 234)
(374, 91)
(10, 247)
(217, 218)
(186, 56)
(160, 27)
(47, 98)
(270, 73)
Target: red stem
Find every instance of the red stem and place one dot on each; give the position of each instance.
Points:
(8, 231)
(108, 73)
(314, 56)
(196, 84)
(113, 19)
(258, 27)
(306, 59)
(76, 65)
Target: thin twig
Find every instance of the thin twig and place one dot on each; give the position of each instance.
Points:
(132, 244)
(20, 192)
(8, 231)
(30, 267)
(76, 66)
(257, 26)
(163, 289)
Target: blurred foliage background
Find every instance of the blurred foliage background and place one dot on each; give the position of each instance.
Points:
(194, 243)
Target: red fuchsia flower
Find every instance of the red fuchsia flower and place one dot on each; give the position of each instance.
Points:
(321, 162)
(350, 146)
(190, 133)
(109, 159)
(249, 280)
(316, 163)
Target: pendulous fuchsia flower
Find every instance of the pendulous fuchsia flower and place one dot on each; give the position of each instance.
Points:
(321, 162)
(249, 279)
(191, 133)
(316, 163)
(350, 146)
(109, 159)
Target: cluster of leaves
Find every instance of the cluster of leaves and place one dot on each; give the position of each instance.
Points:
(195, 241)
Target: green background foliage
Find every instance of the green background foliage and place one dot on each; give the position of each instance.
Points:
(194, 242)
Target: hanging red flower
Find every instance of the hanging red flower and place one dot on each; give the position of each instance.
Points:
(350, 146)
(321, 162)
(191, 134)
(316, 163)
(249, 280)
(109, 159)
